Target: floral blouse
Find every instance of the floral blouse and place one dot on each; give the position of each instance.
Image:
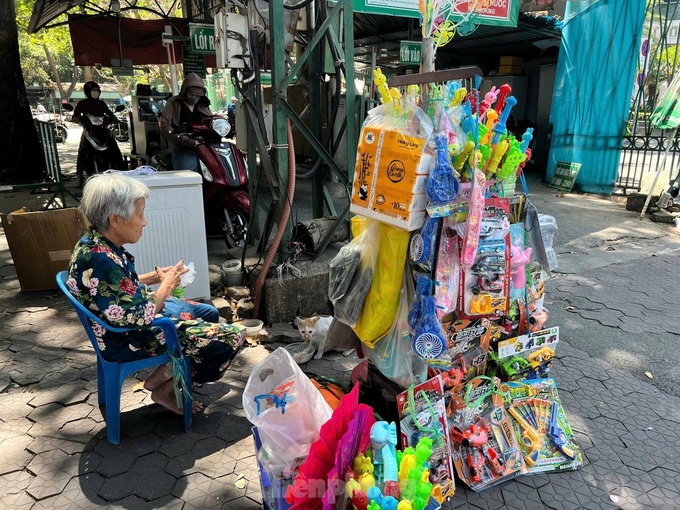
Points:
(102, 277)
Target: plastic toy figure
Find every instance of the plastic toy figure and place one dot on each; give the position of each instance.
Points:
(486, 283)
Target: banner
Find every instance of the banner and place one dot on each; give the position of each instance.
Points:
(96, 40)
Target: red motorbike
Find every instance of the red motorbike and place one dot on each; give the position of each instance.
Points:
(226, 202)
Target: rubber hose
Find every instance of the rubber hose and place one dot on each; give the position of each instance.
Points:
(281, 228)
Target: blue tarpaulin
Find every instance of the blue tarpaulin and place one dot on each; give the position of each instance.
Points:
(593, 85)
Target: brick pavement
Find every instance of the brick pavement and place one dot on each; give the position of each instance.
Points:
(55, 453)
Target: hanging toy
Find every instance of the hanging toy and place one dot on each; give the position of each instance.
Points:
(505, 92)
(416, 313)
(428, 339)
(422, 243)
(499, 129)
(442, 185)
(380, 81)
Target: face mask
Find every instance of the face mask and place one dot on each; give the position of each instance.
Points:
(192, 100)
(94, 94)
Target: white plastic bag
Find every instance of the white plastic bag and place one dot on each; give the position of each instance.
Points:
(284, 405)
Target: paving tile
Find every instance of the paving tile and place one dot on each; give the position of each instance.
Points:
(145, 480)
(79, 493)
(52, 471)
(15, 456)
(199, 491)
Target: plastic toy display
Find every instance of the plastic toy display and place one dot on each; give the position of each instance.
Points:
(433, 192)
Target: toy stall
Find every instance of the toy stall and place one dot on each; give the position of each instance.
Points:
(443, 283)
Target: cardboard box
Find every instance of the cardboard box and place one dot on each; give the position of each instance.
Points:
(511, 61)
(41, 244)
(509, 69)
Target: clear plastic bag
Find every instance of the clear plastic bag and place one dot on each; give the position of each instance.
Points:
(287, 409)
(393, 354)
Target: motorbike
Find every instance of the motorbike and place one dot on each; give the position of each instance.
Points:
(120, 128)
(226, 202)
(60, 129)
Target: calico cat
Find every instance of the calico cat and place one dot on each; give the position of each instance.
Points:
(315, 330)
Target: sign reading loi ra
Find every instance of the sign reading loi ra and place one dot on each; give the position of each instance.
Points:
(202, 38)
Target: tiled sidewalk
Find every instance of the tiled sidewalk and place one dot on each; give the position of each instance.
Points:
(55, 454)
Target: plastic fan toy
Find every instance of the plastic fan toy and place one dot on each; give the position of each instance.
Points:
(428, 340)
(442, 186)
(422, 243)
(416, 313)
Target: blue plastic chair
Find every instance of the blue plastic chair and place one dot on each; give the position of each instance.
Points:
(111, 374)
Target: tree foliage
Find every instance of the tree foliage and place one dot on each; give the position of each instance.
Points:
(47, 56)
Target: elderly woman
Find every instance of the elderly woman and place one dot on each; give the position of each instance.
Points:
(102, 276)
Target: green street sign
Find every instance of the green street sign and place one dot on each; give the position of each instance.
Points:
(202, 38)
(409, 52)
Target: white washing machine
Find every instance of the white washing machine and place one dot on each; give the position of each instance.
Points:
(175, 227)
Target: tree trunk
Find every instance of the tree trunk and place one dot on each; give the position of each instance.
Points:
(22, 160)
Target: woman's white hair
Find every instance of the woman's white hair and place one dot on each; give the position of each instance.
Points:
(107, 194)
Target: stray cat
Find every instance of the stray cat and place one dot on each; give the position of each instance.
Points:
(315, 331)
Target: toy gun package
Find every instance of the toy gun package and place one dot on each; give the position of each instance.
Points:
(539, 421)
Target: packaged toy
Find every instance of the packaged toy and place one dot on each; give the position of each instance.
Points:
(540, 423)
(422, 413)
(528, 356)
(485, 449)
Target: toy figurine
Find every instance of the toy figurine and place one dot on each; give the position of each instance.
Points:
(359, 500)
(384, 441)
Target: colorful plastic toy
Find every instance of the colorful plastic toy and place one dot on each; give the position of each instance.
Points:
(518, 261)
(384, 441)
(442, 185)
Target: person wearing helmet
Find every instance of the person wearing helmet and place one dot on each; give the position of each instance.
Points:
(92, 105)
(190, 105)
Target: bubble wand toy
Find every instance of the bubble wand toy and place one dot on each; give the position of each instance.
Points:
(499, 129)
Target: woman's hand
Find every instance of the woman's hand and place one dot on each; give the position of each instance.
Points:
(171, 275)
(170, 280)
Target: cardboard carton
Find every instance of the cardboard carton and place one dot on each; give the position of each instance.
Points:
(41, 244)
(511, 61)
(390, 177)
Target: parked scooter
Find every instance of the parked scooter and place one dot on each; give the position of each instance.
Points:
(226, 202)
(120, 128)
(60, 129)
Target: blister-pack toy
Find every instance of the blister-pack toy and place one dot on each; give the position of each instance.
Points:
(485, 285)
(528, 356)
(541, 426)
(422, 413)
(484, 447)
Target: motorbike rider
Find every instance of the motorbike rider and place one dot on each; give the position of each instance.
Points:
(92, 105)
(190, 105)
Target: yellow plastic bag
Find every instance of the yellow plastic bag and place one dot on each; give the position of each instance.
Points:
(382, 301)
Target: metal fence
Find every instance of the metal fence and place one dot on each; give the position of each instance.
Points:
(642, 145)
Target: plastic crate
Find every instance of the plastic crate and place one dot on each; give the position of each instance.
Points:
(273, 492)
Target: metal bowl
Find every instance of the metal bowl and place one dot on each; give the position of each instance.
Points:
(301, 352)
